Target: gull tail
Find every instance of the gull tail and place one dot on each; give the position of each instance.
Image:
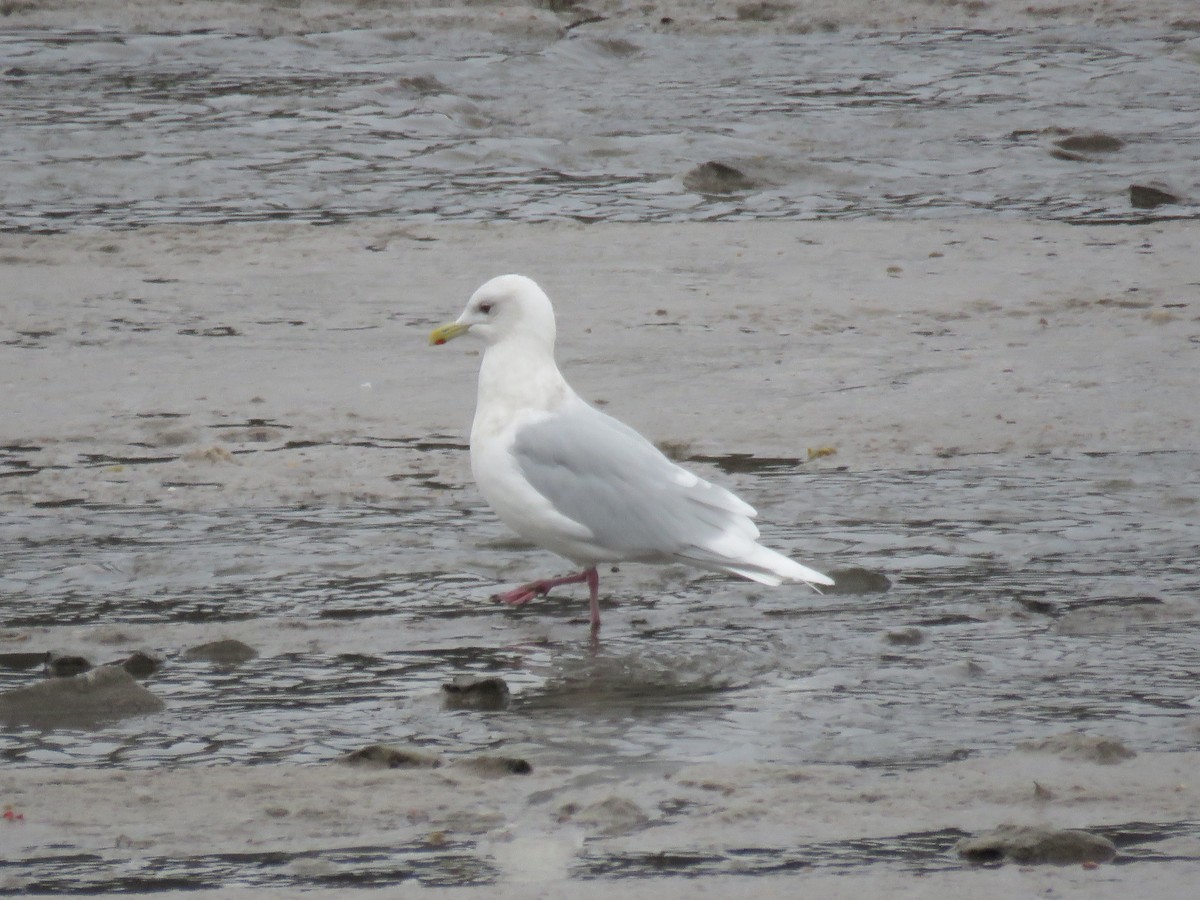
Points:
(754, 562)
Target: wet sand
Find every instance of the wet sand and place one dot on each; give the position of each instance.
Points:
(551, 18)
(814, 824)
(288, 365)
(285, 366)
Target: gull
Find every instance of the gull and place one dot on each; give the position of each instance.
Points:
(578, 482)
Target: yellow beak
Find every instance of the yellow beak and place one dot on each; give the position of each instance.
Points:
(447, 332)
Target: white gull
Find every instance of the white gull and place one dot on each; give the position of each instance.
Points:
(579, 483)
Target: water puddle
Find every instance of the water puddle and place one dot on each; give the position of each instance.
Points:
(445, 865)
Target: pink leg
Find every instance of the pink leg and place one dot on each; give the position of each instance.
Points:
(526, 592)
(593, 583)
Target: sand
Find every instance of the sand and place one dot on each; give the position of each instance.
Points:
(252, 360)
(528, 824)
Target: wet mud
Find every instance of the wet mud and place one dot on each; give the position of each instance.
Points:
(301, 576)
(1025, 587)
(119, 130)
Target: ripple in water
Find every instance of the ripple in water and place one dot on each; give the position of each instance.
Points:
(1034, 595)
(122, 130)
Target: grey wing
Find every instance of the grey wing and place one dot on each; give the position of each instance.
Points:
(638, 504)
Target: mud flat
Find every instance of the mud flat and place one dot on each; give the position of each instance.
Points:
(283, 364)
(210, 372)
(834, 830)
(236, 433)
(549, 19)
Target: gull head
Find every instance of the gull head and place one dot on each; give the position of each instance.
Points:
(507, 307)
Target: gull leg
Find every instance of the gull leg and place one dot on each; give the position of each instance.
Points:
(526, 592)
(593, 583)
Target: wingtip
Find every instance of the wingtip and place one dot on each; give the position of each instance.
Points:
(810, 576)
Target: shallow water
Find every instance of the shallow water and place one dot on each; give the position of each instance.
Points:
(458, 863)
(120, 130)
(1049, 594)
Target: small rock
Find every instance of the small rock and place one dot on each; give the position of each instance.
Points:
(63, 665)
(426, 85)
(1041, 792)
(1090, 143)
(1031, 845)
(616, 815)
(761, 11)
(904, 637)
(20, 661)
(1148, 196)
(1088, 747)
(616, 46)
(385, 756)
(717, 178)
(227, 652)
(675, 450)
(1041, 607)
(471, 692)
(1085, 147)
(141, 665)
(858, 581)
(106, 692)
(495, 765)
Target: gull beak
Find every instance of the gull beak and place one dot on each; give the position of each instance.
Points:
(447, 332)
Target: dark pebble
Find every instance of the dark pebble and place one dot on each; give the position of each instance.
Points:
(858, 581)
(228, 652)
(904, 637)
(1147, 196)
(1041, 607)
(141, 665)
(470, 692)
(717, 178)
(1090, 143)
(19, 662)
(761, 11)
(495, 765)
(65, 665)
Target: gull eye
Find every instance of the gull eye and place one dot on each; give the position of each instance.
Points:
(485, 308)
